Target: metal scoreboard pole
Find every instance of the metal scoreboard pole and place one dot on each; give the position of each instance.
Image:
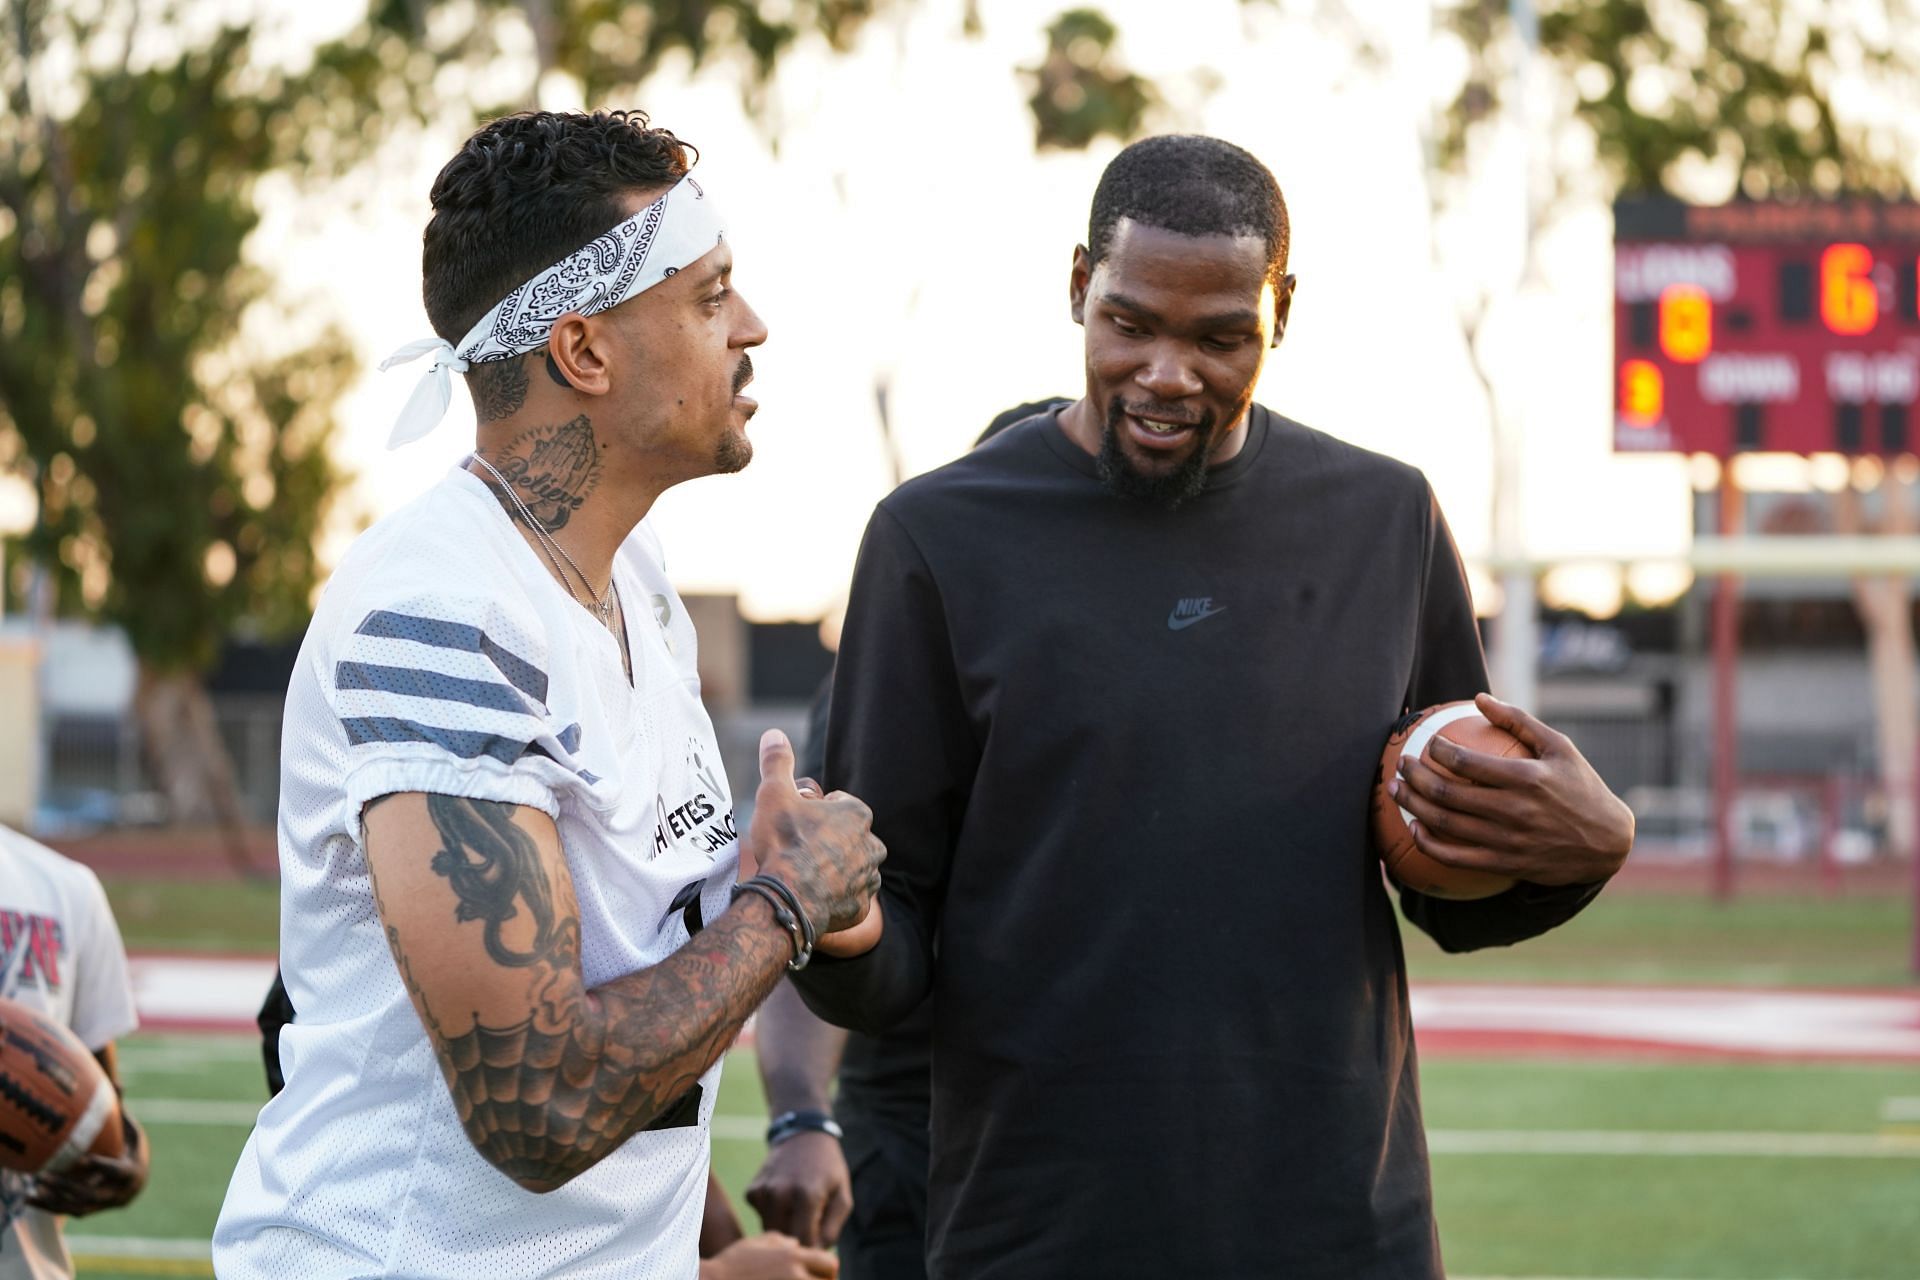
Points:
(1726, 693)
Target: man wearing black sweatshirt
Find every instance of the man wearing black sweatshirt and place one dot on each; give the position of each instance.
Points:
(1116, 686)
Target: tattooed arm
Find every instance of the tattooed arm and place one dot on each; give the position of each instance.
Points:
(548, 1075)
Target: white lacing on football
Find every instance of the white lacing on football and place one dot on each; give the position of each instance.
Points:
(79, 1139)
(1425, 732)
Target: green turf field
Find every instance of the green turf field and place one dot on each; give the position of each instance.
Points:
(1662, 938)
(1542, 1169)
(160, 914)
(1625, 937)
(1517, 1196)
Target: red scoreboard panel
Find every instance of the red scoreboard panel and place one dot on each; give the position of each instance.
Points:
(1791, 328)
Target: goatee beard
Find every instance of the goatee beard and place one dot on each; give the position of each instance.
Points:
(735, 451)
(732, 454)
(1168, 489)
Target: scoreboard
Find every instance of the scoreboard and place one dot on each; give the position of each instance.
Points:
(1787, 327)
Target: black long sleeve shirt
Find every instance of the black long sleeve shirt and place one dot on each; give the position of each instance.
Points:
(1121, 759)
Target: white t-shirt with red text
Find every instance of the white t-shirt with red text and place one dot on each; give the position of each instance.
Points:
(60, 953)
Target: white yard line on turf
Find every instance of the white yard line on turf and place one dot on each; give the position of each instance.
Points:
(1611, 1142)
(739, 1129)
(139, 1247)
(1461, 1142)
(194, 1111)
(1899, 1110)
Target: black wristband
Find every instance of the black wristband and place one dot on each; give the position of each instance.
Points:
(789, 1123)
(796, 933)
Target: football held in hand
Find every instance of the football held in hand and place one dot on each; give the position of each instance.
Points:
(56, 1103)
(1459, 722)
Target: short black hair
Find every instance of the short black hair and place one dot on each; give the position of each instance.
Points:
(1195, 186)
(525, 191)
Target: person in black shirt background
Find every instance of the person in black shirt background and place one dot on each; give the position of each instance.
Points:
(1116, 686)
(871, 1197)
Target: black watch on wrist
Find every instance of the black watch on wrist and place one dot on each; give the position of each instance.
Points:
(788, 1123)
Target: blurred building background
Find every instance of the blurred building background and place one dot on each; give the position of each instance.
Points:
(1634, 690)
(89, 767)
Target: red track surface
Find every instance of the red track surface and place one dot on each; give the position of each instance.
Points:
(189, 853)
(222, 993)
(1739, 1023)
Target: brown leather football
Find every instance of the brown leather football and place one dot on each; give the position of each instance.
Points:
(1459, 722)
(56, 1102)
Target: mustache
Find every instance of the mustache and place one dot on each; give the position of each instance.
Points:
(1164, 413)
(743, 375)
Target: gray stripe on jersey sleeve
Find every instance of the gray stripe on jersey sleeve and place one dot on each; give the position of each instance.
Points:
(412, 682)
(385, 624)
(465, 743)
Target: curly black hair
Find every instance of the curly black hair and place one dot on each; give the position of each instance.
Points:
(1193, 185)
(524, 192)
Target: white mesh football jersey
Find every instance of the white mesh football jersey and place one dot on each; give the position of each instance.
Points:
(445, 658)
(60, 953)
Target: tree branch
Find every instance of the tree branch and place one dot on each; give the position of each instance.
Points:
(128, 212)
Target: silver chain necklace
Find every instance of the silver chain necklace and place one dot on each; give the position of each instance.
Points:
(601, 605)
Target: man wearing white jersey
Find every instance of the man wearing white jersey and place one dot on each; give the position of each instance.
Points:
(509, 913)
(60, 955)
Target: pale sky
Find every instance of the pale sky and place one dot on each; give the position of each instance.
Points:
(906, 225)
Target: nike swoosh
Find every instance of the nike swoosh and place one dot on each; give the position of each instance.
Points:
(1177, 623)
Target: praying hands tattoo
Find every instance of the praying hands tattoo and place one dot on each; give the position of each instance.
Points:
(552, 470)
(547, 1096)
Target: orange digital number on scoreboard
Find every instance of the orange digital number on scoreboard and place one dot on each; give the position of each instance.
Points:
(1849, 300)
(1686, 323)
(1643, 393)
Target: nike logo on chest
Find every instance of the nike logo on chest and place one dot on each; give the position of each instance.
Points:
(1191, 610)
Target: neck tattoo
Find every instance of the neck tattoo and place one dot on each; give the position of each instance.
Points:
(600, 604)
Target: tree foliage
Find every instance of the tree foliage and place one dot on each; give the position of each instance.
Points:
(611, 45)
(1080, 89)
(183, 471)
(182, 475)
(1706, 99)
(607, 48)
(180, 453)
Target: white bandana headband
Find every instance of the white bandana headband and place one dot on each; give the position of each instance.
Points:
(672, 233)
